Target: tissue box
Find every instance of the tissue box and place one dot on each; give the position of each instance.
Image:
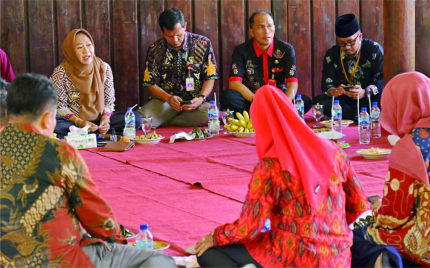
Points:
(82, 141)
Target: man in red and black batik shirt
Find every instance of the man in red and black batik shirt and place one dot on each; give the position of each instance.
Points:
(262, 60)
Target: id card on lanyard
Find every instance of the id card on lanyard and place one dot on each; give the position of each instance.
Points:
(189, 81)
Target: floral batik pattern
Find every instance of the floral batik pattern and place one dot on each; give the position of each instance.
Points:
(300, 236)
(46, 194)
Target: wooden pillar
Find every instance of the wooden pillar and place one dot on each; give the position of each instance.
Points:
(399, 37)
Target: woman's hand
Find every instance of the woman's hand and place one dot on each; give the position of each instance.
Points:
(104, 125)
(82, 123)
(376, 204)
(195, 103)
(204, 244)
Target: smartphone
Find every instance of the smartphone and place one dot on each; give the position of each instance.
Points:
(186, 102)
(348, 88)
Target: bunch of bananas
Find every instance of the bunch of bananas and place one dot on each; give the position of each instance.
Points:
(242, 124)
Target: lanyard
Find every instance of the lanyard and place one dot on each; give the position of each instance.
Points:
(355, 68)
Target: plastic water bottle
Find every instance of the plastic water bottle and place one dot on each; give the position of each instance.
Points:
(213, 114)
(374, 117)
(300, 106)
(144, 238)
(336, 117)
(364, 126)
(130, 124)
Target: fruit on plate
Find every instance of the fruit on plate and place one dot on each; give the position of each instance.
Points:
(242, 124)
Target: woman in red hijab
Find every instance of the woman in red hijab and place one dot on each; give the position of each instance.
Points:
(402, 222)
(303, 184)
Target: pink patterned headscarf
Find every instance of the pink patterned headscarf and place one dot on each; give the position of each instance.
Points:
(406, 106)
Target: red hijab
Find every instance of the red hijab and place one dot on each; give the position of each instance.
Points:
(280, 133)
(405, 106)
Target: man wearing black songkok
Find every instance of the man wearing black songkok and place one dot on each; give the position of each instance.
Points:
(352, 69)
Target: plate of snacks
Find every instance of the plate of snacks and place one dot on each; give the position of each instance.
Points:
(149, 139)
(241, 127)
(200, 134)
(161, 245)
(345, 123)
(319, 130)
(374, 153)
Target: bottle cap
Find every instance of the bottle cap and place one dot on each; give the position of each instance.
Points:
(212, 102)
(144, 227)
(364, 109)
(375, 104)
(129, 109)
(299, 96)
(336, 102)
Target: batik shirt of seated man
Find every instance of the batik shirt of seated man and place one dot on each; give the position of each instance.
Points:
(254, 67)
(168, 68)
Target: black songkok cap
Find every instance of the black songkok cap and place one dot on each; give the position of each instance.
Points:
(346, 25)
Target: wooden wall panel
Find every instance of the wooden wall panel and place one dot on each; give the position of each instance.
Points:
(206, 23)
(323, 34)
(232, 32)
(348, 6)
(186, 7)
(41, 37)
(299, 12)
(372, 20)
(280, 14)
(97, 21)
(149, 33)
(13, 39)
(69, 17)
(422, 33)
(125, 51)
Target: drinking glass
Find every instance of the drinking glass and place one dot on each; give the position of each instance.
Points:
(318, 113)
(227, 114)
(146, 124)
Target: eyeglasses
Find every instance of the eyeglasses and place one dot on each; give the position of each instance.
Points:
(349, 43)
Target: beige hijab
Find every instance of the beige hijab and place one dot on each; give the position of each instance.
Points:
(88, 79)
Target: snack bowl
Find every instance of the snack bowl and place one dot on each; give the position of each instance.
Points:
(374, 153)
(147, 142)
(161, 245)
(345, 123)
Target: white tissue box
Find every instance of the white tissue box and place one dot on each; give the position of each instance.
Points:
(82, 141)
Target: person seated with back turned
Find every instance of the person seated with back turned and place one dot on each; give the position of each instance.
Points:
(48, 198)
(400, 236)
(310, 197)
(180, 74)
(352, 69)
(85, 89)
(262, 60)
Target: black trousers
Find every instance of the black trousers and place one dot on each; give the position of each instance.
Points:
(226, 256)
(233, 100)
(116, 121)
(349, 106)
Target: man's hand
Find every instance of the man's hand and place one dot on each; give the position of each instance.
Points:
(204, 244)
(356, 93)
(175, 102)
(104, 125)
(195, 103)
(336, 92)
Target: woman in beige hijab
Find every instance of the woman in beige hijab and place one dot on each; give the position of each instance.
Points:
(85, 88)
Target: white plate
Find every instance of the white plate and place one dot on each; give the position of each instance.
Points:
(244, 134)
(345, 123)
(147, 142)
(331, 135)
(366, 155)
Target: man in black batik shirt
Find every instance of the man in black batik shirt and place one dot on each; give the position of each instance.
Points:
(180, 73)
(262, 60)
(359, 73)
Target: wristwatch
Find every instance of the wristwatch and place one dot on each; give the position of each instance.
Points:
(202, 96)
